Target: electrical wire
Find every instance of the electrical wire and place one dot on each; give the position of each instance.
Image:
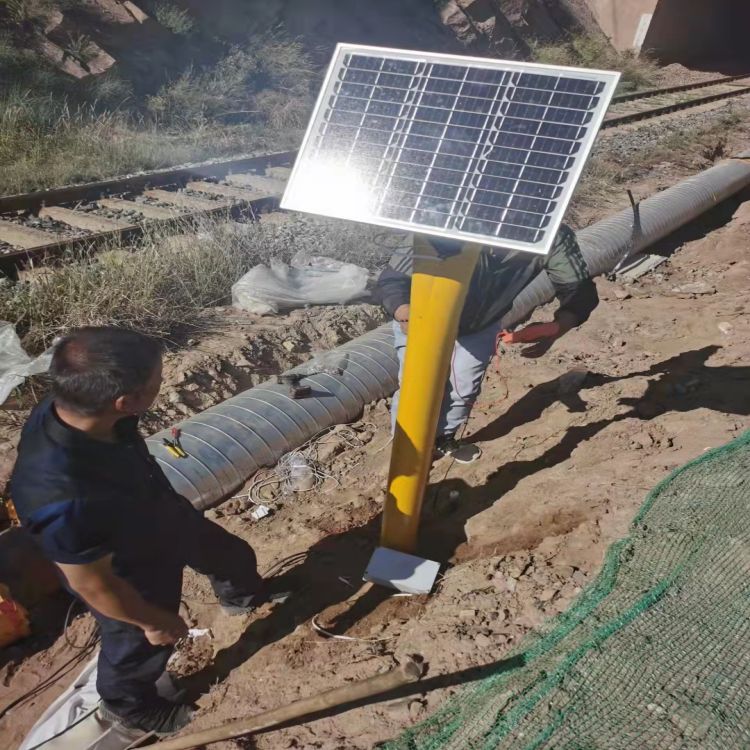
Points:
(88, 647)
(58, 674)
(273, 570)
(66, 634)
(301, 470)
(67, 729)
(84, 650)
(328, 634)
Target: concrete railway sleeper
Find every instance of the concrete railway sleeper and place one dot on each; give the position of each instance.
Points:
(83, 217)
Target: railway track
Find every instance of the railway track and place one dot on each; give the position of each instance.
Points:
(39, 227)
(645, 105)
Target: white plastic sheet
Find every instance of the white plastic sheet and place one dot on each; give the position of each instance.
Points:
(72, 723)
(15, 364)
(306, 281)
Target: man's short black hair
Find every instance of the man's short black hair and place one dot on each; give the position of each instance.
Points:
(93, 366)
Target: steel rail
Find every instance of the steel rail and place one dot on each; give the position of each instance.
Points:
(646, 93)
(647, 114)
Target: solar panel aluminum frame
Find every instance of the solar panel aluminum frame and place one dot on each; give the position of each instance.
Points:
(297, 196)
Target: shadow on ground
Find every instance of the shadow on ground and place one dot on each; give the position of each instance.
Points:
(318, 577)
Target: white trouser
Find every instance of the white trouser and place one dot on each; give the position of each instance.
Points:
(471, 356)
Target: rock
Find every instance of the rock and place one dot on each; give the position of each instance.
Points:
(726, 328)
(530, 619)
(233, 507)
(547, 595)
(696, 287)
(483, 641)
(329, 448)
(467, 614)
(359, 501)
(495, 616)
(174, 397)
(642, 440)
(564, 572)
(399, 709)
(417, 709)
(290, 346)
(579, 578)
(621, 294)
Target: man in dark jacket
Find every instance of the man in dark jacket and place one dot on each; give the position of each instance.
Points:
(100, 507)
(499, 278)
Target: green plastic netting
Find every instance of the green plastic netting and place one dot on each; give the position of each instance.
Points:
(654, 654)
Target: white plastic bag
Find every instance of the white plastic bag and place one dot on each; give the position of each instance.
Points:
(15, 364)
(307, 281)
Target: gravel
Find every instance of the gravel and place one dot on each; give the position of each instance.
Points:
(626, 145)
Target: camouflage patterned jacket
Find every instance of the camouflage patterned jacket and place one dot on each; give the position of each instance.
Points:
(499, 278)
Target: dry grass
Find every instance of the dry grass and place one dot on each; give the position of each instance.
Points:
(272, 81)
(177, 20)
(255, 99)
(45, 144)
(693, 146)
(600, 178)
(161, 284)
(638, 72)
(155, 287)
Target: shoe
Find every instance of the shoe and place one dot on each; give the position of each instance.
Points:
(271, 592)
(169, 689)
(462, 453)
(161, 717)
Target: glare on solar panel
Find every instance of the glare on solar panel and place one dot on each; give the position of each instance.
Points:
(469, 148)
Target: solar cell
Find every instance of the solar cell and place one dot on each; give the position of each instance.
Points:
(469, 148)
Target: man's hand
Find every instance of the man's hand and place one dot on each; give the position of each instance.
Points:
(541, 335)
(103, 590)
(167, 632)
(401, 316)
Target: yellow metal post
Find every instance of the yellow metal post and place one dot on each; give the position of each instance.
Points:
(438, 291)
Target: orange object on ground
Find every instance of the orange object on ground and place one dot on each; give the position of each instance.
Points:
(14, 619)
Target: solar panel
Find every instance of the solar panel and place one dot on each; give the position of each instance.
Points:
(472, 149)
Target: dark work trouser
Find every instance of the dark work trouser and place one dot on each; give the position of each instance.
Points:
(129, 665)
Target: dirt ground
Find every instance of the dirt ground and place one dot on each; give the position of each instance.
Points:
(523, 530)
(565, 466)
